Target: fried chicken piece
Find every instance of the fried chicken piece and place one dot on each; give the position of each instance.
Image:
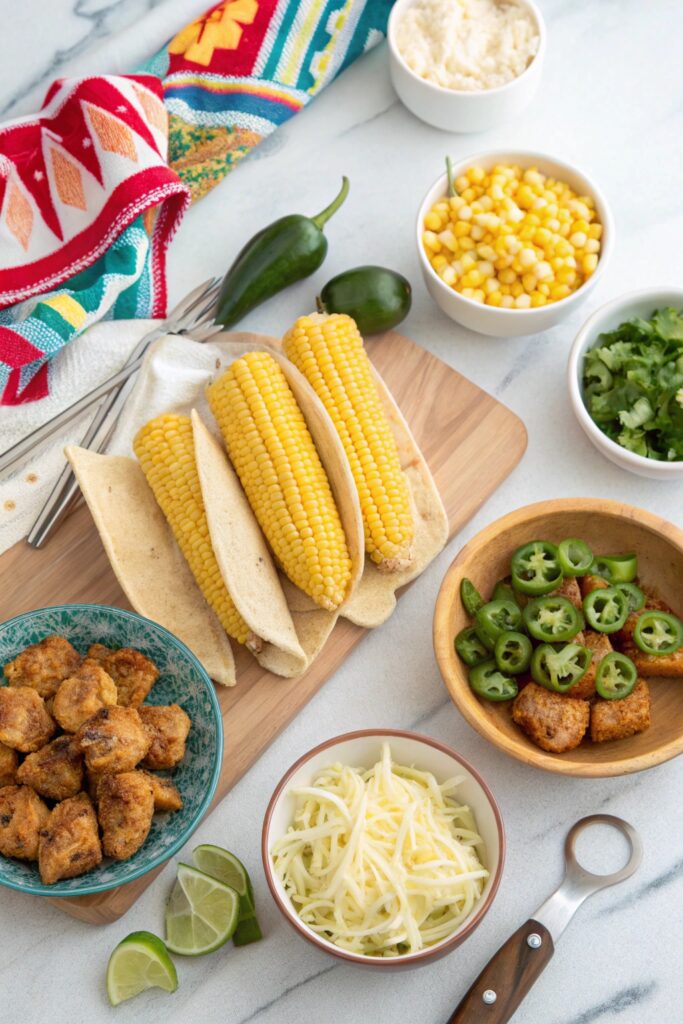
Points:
(125, 810)
(22, 816)
(55, 771)
(553, 722)
(617, 719)
(70, 841)
(591, 583)
(113, 740)
(666, 665)
(9, 762)
(91, 784)
(43, 666)
(82, 694)
(600, 645)
(25, 724)
(166, 795)
(133, 673)
(168, 727)
(569, 588)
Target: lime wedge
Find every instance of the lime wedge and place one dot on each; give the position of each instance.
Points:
(202, 913)
(247, 931)
(140, 961)
(225, 866)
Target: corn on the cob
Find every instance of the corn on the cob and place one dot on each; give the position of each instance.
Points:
(329, 351)
(276, 460)
(165, 450)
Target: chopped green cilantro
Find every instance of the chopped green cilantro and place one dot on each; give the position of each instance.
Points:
(633, 385)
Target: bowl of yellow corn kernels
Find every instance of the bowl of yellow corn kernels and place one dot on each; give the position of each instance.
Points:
(511, 243)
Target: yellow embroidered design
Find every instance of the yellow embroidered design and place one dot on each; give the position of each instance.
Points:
(221, 29)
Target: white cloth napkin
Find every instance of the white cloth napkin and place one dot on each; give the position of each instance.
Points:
(85, 363)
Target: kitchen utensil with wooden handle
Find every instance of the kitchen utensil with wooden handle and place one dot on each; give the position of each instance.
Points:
(505, 981)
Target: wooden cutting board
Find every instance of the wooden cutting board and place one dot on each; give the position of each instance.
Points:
(471, 443)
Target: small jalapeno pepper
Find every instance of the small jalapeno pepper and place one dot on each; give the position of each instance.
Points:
(606, 610)
(633, 594)
(616, 676)
(496, 618)
(552, 619)
(471, 599)
(489, 682)
(658, 632)
(574, 556)
(513, 653)
(616, 568)
(560, 670)
(536, 568)
(503, 592)
(470, 648)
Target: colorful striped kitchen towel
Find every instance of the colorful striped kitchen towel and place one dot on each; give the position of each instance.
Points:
(88, 199)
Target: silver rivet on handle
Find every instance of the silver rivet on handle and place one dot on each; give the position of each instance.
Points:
(489, 997)
(534, 940)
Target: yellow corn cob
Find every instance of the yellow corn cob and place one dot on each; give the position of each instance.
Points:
(329, 351)
(275, 458)
(165, 449)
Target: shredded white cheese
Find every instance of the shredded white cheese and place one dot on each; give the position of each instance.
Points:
(381, 862)
(467, 45)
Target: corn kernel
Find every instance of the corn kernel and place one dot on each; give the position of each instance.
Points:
(589, 263)
(523, 301)
(433, 221)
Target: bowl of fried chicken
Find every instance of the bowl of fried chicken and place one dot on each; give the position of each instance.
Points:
(558, 631)
(111, 745)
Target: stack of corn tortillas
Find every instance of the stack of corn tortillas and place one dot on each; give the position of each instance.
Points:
(289, 627)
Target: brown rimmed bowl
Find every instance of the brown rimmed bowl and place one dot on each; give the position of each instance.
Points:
(364, 748)
(607, 526)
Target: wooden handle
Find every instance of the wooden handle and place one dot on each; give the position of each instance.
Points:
(508, 976)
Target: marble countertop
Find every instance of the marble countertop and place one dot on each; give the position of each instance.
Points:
(612, 102)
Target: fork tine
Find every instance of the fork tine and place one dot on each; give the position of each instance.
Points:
(190, 301)
(201, 310)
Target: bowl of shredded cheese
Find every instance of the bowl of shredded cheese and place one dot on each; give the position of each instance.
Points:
(466, 65)
(384, 848)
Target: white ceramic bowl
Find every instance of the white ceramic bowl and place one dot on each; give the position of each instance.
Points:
(364, 748)
(493, 320)
(642, 304)
(454, 110)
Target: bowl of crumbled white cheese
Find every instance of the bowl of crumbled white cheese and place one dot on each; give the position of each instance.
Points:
(466, 65)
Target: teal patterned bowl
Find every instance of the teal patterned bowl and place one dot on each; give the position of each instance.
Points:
(182, 680)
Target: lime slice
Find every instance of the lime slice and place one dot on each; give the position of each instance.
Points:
(202, 913)
(140, 961)
(225, 866)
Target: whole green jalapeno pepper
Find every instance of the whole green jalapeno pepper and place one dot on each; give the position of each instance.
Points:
(280, 254)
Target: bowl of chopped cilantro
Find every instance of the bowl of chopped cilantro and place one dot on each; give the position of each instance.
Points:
(626, 382)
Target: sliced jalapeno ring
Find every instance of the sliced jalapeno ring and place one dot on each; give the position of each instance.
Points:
(606, 610)
(471, 599)
(633, 594)
(469, 647)
(616, 676)
(496, 618)
(503, 591)
(574, 556)
(489, 682)
(535, 568)
(513, 653)
(658, 632)
(552, 619)
(559, 670)
(616, 568)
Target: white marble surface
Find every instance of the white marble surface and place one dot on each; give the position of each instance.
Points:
(611, 101)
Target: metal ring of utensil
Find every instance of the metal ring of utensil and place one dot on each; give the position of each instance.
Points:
(580, 873)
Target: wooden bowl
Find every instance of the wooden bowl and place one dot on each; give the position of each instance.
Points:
(607, 526)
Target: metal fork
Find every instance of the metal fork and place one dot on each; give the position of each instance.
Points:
(193, 314)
